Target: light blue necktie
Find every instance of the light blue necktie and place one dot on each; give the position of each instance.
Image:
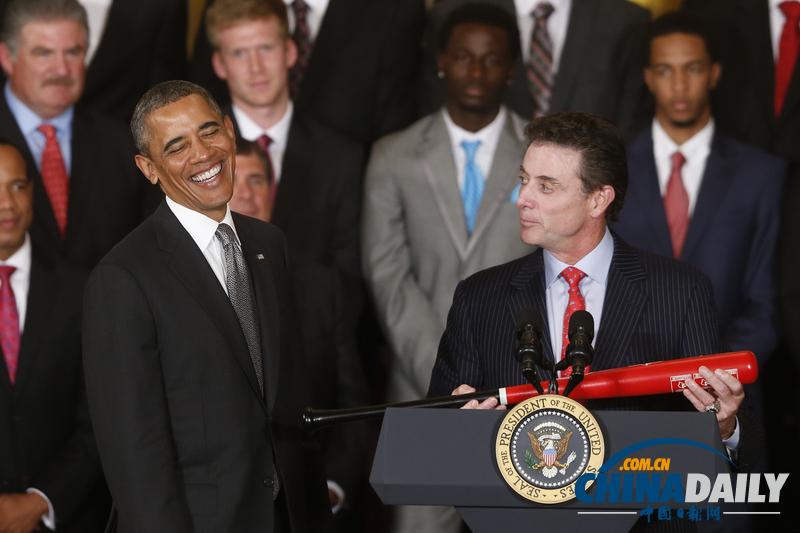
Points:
(473, 185)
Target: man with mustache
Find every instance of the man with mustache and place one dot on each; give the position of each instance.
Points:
(439, 205)
(87, 195)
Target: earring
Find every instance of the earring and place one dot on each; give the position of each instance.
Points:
(441, 74)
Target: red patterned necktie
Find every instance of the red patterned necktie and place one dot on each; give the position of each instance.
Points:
(54, 176)
(676, 205)
(574, 303)
(9, 322)
(540, 70)
(302, 38)
(787, 52)
(263, 142)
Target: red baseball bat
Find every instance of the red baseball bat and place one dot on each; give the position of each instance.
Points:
(640, 380)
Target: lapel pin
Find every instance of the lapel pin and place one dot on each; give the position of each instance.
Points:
(259, 256)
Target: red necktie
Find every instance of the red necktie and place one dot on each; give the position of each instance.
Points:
(787, 52)
(263, 142)
(302, 38)
(9, 322)
(54, 176)
(676, 205)
(575, 303)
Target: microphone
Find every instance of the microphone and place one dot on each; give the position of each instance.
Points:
(528, 349)
(579, 352)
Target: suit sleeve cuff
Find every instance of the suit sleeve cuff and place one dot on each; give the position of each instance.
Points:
(732, 443)
(337, 489)
(49, 518)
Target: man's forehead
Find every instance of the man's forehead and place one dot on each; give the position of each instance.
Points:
(52, 31)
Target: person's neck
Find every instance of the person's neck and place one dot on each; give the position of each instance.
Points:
(679, 133)
(581, 245)
(265, 116)
(471, 121)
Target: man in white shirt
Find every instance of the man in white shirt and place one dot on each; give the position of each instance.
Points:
(439, 205)
(191, 346)
(50, 473)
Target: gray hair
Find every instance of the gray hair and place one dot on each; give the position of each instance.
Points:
(21, 12)
(162, 95)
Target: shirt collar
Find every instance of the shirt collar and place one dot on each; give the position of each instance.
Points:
(490, 131)
(700, 142)
(28, 121)
(595, 264)
(21, 259)
(318, 6)
(251, 131)
(201, 228)
(526, 6)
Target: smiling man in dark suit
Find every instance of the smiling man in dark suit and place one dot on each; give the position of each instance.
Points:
(192, 346)
(87, 192)
(49, 469)
(646, 307)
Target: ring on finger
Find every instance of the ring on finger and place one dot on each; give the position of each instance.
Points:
(713, 408)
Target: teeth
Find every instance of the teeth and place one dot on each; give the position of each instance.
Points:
(208, 174)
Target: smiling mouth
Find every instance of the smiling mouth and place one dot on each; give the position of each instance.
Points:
(208, 175)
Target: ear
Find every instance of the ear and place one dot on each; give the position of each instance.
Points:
(219, 66)
(291, 52)
(6, 61)
(716, 72)
(147, 168)
(648, 77)
(601, 200)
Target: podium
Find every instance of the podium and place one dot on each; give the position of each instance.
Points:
(447, 457)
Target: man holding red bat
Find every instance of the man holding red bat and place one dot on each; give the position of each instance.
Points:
(646, 307)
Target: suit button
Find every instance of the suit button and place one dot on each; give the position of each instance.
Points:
(267, 482)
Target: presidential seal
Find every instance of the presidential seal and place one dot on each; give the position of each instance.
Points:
(545, 444)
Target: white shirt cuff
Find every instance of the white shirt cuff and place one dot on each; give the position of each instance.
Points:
(49, 518)
(337, 489)
(733, 441)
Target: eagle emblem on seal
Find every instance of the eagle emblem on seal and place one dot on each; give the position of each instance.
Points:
(549, 443)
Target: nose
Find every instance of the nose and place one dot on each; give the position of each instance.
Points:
(6, 199)
(201, 150)
(254, 62)
(680, 82)
(476, 69)
(61, 65)
(524, 199)
(242, 190)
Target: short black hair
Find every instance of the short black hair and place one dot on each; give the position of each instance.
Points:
(604, 160)
(681, 22)
(481, 13)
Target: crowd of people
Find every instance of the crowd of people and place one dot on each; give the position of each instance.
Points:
(334, 203)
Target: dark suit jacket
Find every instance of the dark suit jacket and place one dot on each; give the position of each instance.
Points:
(334, 369)
(108, 196)
(143, 43)
(744, 100)
(46, 439)
(187, 441)
(732, 235)
(655, 309)
(319, 195)
(600, 68)
(361, 75)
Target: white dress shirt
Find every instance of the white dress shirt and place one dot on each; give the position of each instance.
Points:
(484, 155)
(316, 12)
(595, 265)
(557, 24)
(776, 22)
(696, 151)
(97, 15)
(279, 133)
(203, 232)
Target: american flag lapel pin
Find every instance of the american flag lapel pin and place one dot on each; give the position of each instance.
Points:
(259, 256)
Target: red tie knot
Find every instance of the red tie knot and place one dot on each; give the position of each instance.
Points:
(49, 131)
(5, 272)
(678, 160)
(791, 10)
(264, 141)
(573, 276)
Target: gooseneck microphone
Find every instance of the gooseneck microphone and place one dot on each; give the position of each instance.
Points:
(579, 353)
(528, 348)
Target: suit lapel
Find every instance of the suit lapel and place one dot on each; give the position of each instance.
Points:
(530, 292)
(268, 308)
(712, 192)
(436, 157)
(755, 28)
(116, 22)
(622, 307)
(644, 192)
(297, 161)
(502, 178)
(187, 262)
(578, 40)
(41, 293)
(85, 138)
